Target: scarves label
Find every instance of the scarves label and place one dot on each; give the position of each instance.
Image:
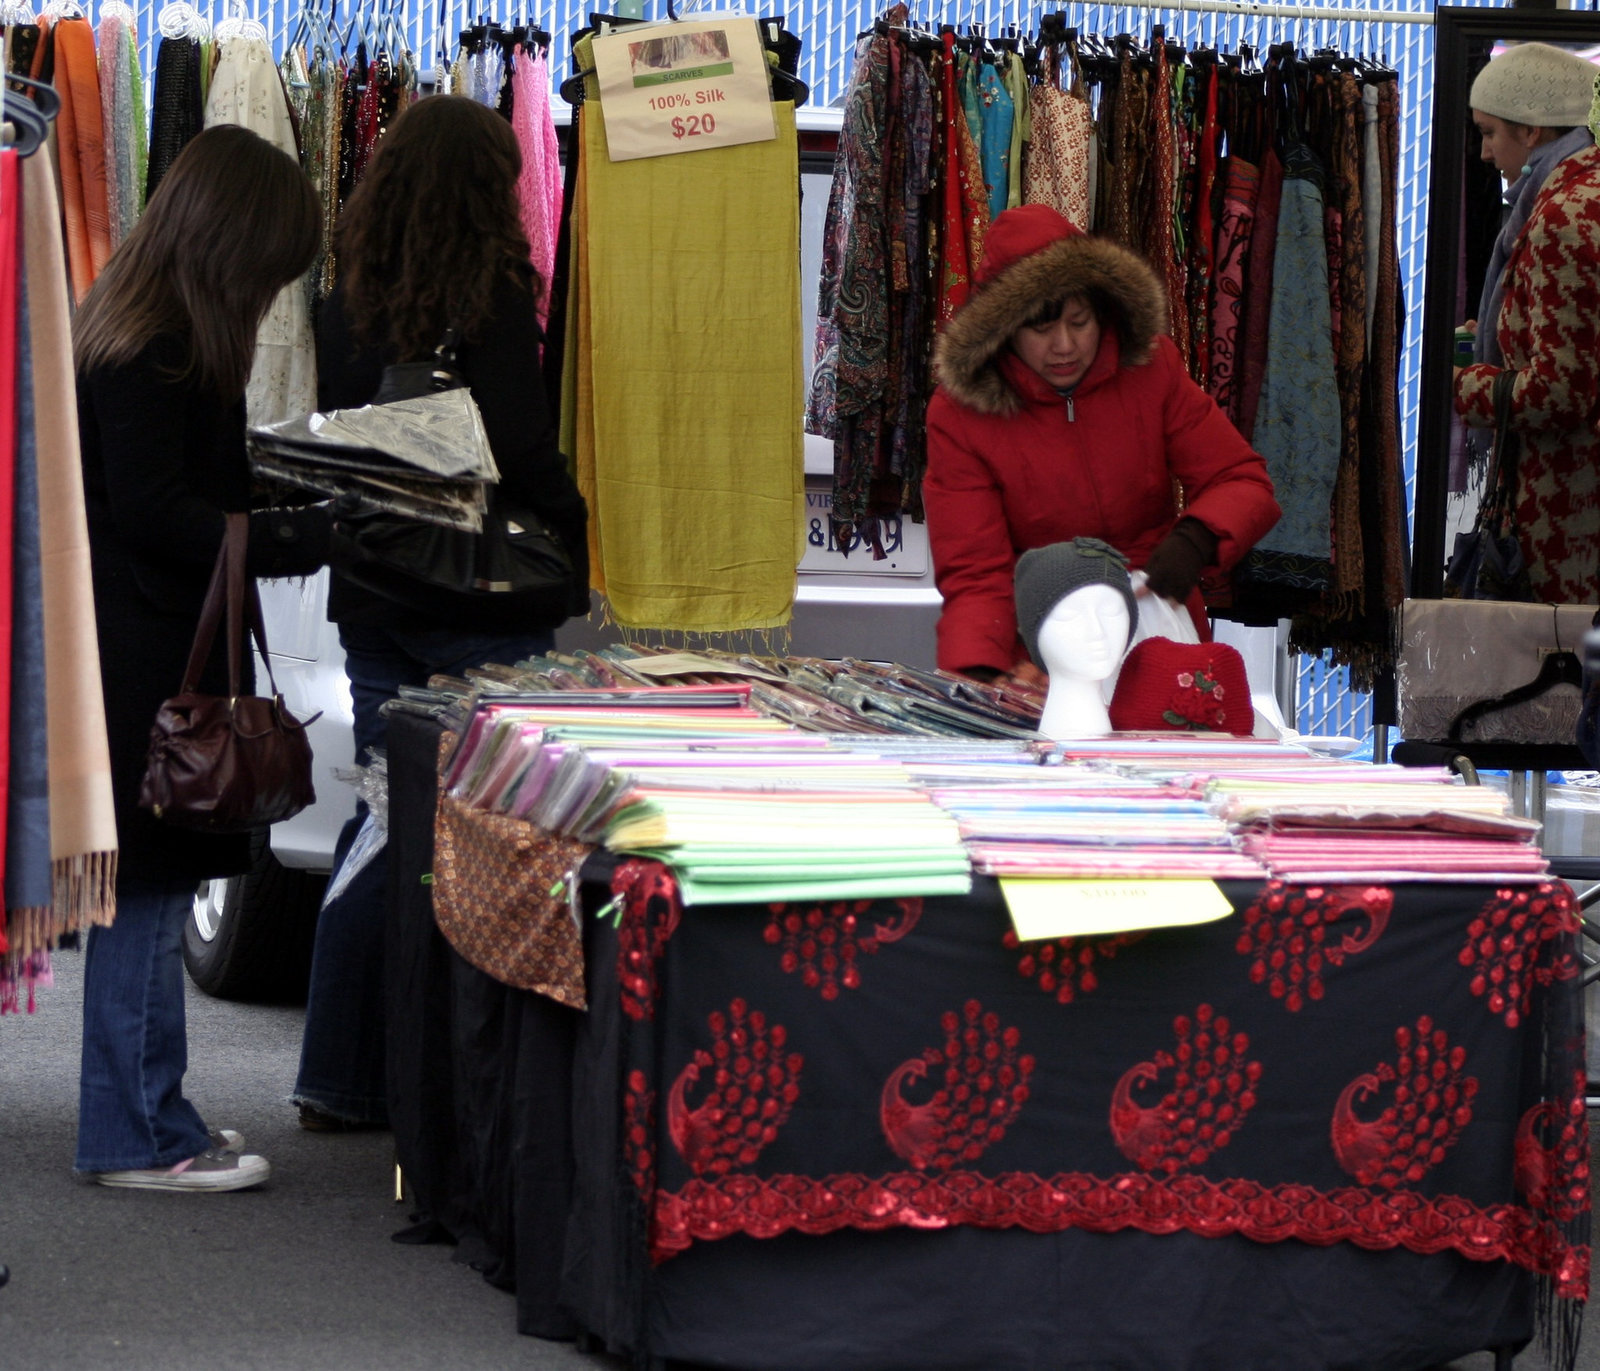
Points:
(669, 88)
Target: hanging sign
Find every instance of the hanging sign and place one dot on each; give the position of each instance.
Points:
(683, 87)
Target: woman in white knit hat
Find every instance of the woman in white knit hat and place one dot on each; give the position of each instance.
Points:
(1540, 313)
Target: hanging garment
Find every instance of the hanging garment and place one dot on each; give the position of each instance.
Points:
(1297, 425)
(28, 878)
(1241, 181)
(22, 45)
(996, 117)
(1057, 172)
(1203, 239)
(539, 186)
(178, 111)
(1020, 91)
(698, 462)
(1251, 358)
(1159, 244)
(1347, 242)
(80, 140)
(247, 90)
(123, 124)
(83, 830)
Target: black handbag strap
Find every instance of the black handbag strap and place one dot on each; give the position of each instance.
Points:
(1500, 495)
(230, 586)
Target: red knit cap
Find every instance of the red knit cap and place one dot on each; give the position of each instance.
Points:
(1195, 687)
(1018, 233)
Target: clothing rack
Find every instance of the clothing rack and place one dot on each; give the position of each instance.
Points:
(1311, 13)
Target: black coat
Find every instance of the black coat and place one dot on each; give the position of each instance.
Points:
(501, 366)
(162, 460)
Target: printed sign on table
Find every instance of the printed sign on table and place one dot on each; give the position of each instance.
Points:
(682, 87)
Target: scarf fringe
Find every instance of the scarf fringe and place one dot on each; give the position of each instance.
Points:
(83, 895)
(773, 640)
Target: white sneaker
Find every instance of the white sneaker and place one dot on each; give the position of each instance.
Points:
(211, 1170)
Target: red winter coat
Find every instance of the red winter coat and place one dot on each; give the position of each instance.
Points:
(1013, 465)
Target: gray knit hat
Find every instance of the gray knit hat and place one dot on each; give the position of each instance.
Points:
(1045, 575)
(1537, 84)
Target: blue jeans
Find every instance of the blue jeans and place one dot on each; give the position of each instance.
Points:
(131, 1110)
(342, 1053)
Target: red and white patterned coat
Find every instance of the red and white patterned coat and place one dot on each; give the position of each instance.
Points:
(1549, 332)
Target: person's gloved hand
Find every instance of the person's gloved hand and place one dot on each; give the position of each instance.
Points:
(1176, 563)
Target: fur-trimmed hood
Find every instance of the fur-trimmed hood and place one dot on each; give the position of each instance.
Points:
(1015, 276)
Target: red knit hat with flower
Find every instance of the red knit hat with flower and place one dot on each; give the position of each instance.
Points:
(1184, 687)
(1018, 233)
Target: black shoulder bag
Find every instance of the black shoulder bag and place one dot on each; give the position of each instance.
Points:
(515, 571)
(1487, 562)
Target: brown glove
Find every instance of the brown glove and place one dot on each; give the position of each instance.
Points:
(1175, 566)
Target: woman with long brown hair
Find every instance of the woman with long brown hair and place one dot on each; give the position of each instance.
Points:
(430, 245)
(162, 348)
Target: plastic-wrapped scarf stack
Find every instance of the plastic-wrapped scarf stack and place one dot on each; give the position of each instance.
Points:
(80, 142)
(247, 90)
(688, 269)
(122, 117)
(539, 187)
(177, 106)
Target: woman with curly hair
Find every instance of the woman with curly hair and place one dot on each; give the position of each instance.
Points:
(430, 245)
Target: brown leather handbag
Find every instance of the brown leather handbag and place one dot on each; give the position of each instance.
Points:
(227, 763)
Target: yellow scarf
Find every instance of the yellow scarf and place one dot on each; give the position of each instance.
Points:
(690, 291)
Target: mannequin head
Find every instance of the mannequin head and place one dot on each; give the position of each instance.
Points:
(1085, 635)
(1076, 611)
(1047, 575)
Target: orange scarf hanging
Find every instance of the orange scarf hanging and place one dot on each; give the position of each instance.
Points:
(81, 135)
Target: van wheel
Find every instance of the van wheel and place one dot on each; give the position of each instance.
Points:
(249, 937)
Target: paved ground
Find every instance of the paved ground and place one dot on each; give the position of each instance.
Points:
(300, 1274)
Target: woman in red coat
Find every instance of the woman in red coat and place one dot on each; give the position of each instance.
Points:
(1063, 411)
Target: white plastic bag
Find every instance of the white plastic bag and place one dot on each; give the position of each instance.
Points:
(1158, 618)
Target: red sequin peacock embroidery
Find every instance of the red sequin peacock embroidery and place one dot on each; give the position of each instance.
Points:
(638, 1132)
(1286, 935)
(752, 1085)
(825, 943)
(1513, 945)
(650, 914)
(1430, 1102)
(1213, 1088)
(1065, 967)
(983, 1084)
(1551, 1157)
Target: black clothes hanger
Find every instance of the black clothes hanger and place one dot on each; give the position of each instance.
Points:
(30, 113)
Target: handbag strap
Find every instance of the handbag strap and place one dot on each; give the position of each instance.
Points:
(230, 586)
(1500, 497)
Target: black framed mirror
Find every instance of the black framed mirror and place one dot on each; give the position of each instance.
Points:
(1463, 38)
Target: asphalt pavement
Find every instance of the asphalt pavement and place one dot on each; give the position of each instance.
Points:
(299, 1275)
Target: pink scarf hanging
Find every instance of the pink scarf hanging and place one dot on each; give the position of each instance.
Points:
(539, 187)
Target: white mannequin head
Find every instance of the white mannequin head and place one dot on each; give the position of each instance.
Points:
(1086, 634)
(1081, 642)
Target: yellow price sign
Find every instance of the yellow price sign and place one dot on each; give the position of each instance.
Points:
(1062, 908)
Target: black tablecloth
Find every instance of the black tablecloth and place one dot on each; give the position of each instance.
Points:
(885, 1135)
(478, 1075)
(935, 1148)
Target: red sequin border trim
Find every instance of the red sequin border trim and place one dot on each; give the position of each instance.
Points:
(764, 1207)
